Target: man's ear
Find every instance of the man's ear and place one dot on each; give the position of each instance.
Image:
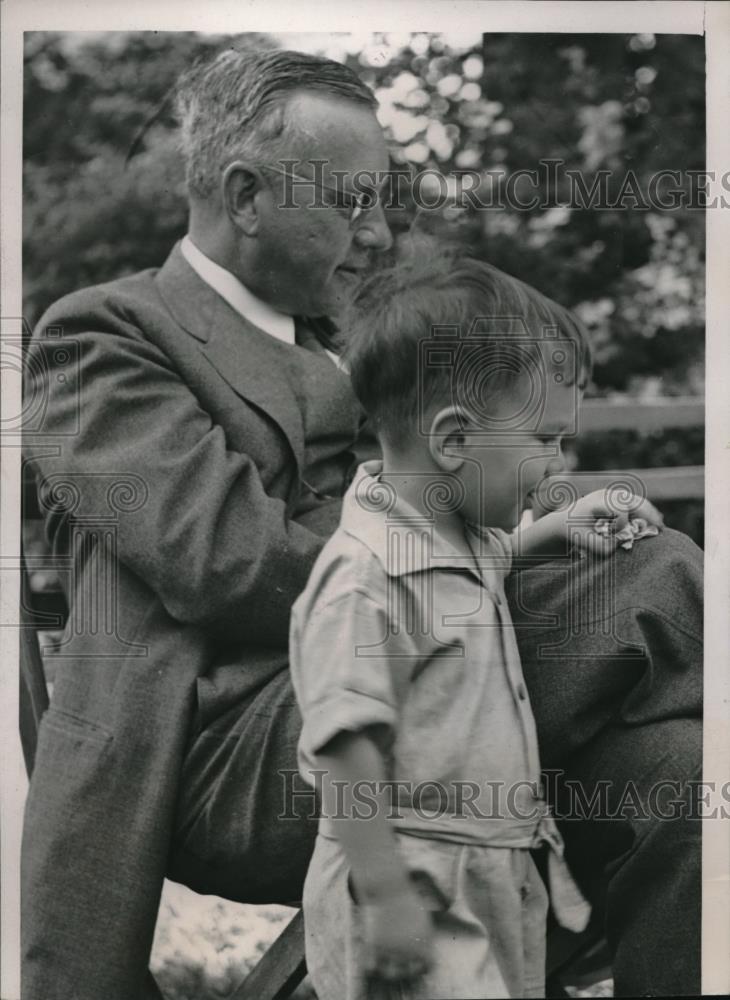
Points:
(240, 184)
(447, 437)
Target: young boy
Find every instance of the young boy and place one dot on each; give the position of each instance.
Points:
(417, 728)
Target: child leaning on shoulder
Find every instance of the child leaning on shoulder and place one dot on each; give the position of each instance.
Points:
(417, 727)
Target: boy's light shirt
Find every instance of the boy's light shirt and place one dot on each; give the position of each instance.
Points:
(404, 633)
(406, 597)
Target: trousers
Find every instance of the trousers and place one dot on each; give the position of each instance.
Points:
(487, 907)
(612, 656)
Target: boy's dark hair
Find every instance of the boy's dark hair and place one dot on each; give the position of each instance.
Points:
(444, 328)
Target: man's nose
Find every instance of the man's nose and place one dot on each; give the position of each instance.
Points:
(373, 233)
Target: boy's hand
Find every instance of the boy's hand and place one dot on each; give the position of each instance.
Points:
(397, 936)
(580, 520)
(592, 522)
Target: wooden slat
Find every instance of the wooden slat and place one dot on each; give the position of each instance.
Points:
(280, 969)
(648, 416)
(685, 482)
(563, 947)
(33, 693)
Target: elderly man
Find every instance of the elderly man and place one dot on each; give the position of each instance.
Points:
(195, 454)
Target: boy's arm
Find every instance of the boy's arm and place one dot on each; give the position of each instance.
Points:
(396, 930)
(546, 539)
(369, 844)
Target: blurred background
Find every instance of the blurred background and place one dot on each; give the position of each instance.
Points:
(104, 191)
(104, 196)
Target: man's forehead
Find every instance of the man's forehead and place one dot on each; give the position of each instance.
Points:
(344, 133)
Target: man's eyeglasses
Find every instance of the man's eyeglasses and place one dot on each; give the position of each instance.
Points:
(355, 205)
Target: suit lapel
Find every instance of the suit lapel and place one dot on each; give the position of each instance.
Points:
(246, 357)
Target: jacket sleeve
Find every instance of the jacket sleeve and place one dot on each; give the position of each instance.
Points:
(193, 520)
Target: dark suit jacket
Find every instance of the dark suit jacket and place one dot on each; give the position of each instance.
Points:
(169, 449)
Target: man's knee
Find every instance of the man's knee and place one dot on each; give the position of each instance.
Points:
(633, 786)
(610, 638)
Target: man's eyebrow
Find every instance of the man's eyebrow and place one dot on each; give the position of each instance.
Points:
(381, 187)
(379, 178)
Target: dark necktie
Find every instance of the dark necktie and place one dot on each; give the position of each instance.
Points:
(315, 334)
(304, 336)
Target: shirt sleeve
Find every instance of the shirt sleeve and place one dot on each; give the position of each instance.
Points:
(350, 668)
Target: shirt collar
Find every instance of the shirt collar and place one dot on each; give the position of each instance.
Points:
(406, 541)
(238, 297)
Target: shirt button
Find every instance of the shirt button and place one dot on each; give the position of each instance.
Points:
(521, 692)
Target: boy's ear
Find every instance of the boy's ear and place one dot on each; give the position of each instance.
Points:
(447, 437)
(239, 185)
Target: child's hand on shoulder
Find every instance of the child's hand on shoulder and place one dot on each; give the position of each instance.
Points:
(397, 937)
(597, 523)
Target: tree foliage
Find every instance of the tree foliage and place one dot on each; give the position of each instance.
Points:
(104, 191)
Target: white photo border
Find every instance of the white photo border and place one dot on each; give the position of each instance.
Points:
(279, 16)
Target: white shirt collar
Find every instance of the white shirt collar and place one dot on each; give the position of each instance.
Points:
(238, 297)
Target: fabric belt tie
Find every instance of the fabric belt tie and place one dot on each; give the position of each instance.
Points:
(570, 908)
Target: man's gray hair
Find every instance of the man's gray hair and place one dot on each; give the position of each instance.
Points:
(235, 107)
